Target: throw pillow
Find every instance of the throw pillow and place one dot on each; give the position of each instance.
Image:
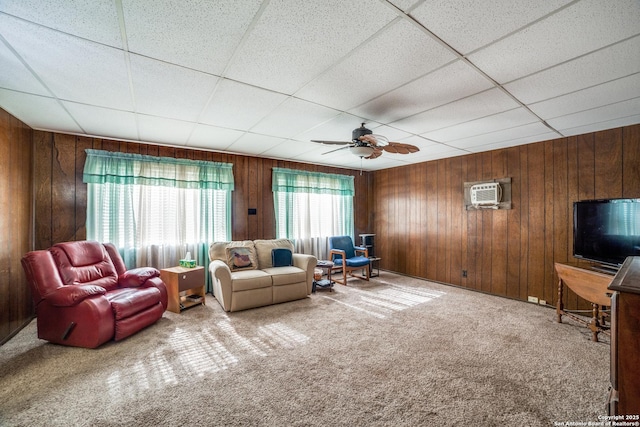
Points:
(281, 257)
(239, 258)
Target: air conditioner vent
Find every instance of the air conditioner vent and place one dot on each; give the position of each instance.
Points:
(489, 193)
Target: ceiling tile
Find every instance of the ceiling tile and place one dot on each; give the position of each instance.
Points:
(16, 76)
(95, 20)
(597, 115)
(581, 28)
(466, 26)
(602, 66)
(199, 34)
(394, 56)
(480, 105)
(201, 74)
(73, 69)
(168, 90)
(595, 96)
(163, 130)
(455, 81)
(287, 48)
(252, 143)
(405, 5)
(293, 117)
(240, 106)
(290, 149)
(508, 119)
(212, 137)
(546, 136)
(602, 125)
(104, 122)
(38, 112)
(499, 136)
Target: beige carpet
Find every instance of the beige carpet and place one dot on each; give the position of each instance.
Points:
(395, 351)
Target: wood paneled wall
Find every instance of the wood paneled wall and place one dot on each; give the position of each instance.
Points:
(423, 230)
(15, 218)
(61, 199)
(416, 211)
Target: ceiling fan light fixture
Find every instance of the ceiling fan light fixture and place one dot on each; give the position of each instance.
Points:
(361, 151)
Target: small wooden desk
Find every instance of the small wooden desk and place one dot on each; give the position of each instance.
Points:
(590, 285)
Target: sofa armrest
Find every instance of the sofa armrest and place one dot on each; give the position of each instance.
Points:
(68, 296)
(222, 283)
(307, 263)
(137, 277)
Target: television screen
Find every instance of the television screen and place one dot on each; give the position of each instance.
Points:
(606, 231)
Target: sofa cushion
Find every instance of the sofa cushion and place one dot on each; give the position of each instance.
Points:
(286, 275)
(281, 257)
(241, 258)
(250, 279)
(264, 248)
(218, 250)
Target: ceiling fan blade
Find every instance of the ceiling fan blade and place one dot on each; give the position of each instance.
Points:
(337, 149)
(374, 140)
(331, 142)
(377, 152)
(400, 148)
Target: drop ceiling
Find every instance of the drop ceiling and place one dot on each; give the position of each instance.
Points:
(264, 78)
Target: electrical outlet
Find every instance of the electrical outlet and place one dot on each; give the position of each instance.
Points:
(533, 299)
(542, 302)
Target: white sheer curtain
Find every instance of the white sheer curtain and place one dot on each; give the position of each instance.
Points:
(155, 210)
(311, 207)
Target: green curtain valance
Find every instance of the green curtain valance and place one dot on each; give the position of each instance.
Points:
(295, 181)
(127, 168)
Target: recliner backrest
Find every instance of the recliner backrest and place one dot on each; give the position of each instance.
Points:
(84, 262)
(343, 243)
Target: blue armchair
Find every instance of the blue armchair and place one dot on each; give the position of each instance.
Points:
(349, 257)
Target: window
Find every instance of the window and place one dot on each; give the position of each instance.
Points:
(310, 207)
(155, 209)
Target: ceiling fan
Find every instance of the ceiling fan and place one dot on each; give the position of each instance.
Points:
(366, 145)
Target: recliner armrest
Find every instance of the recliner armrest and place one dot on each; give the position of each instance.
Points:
(137, 277)
(68, 296)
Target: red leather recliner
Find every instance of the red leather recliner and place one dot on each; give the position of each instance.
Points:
(84, 296)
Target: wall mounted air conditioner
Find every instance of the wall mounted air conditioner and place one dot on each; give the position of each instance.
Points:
(489, 193)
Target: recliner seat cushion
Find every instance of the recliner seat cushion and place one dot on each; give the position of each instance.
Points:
(128, 301)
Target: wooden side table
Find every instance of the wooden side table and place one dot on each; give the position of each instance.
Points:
(327, 283)
(372, 260)
(185, 287)
(589, 285)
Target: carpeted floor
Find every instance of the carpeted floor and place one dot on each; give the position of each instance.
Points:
(395, 351)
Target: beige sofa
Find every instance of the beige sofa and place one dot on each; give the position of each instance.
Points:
(244, 277)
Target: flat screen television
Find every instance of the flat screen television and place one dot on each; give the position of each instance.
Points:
(606, 231)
